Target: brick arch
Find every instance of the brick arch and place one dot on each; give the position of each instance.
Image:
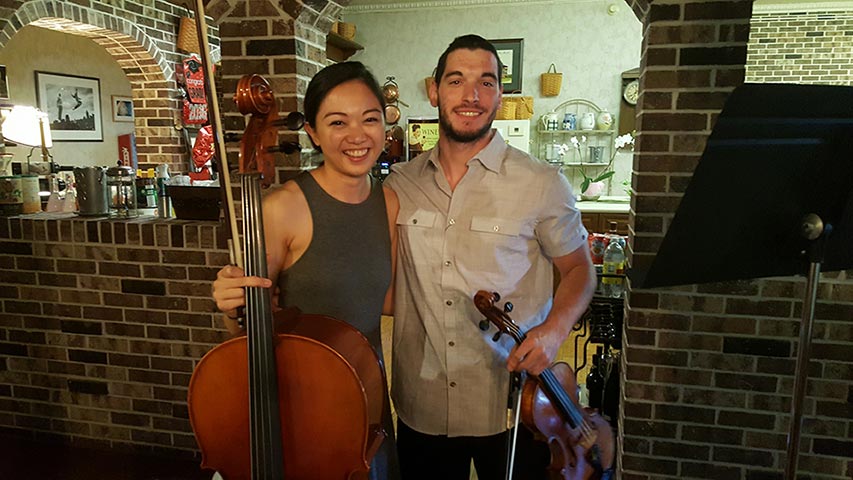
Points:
(143, 55)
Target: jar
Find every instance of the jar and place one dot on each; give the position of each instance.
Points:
(121, 182)
(11, 195)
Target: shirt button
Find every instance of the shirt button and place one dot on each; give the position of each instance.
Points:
(452, 384)
(447, 263)
(451, 343)
(448, 302)
(415, 221)
(452, 221)
(496, 228)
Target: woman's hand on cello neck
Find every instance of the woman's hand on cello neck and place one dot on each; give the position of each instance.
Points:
(230, 294)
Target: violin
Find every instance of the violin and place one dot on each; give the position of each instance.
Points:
(581, 441)
(297, 396)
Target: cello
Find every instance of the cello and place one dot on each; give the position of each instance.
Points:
(581, 442)
(298, 396)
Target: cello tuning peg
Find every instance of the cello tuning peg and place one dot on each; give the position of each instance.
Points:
(286, 147)
(508, 306)
(293, 121)
(230, 137)
(484, 325)
(496, 296)
(496, 337)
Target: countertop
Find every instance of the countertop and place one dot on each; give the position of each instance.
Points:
(605, 204)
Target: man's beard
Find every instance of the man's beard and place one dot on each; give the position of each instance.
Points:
(462, 137)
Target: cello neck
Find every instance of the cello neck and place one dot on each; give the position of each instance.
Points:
(265, 419)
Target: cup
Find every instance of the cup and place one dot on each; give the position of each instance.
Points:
(596, 154)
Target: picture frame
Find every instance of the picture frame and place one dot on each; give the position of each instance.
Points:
(122, 108)
(4, 84)
(72, 104)
(511, 52)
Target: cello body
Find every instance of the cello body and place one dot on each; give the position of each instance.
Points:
(330, 388)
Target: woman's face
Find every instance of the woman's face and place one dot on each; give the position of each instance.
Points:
(349, 128)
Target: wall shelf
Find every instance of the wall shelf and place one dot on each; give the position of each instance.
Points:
(339, 48)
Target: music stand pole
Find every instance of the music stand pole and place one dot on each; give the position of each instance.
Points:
(812, 229)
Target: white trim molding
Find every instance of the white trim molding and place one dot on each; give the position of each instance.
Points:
(366, 6)
(790, 6)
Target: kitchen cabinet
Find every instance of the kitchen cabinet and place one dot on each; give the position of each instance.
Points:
(600, 222)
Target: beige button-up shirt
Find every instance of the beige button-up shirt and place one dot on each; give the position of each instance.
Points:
(496, 231)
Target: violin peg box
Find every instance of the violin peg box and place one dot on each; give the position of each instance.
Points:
(195, 203)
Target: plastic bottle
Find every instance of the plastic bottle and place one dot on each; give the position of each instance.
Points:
(613, 264)
(150, 189)
(595, 381)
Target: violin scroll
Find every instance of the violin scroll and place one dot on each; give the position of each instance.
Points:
(485, 303)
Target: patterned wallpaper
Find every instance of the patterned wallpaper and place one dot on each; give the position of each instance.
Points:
(589, 46)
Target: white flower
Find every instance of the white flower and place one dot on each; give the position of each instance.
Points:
(623, 141)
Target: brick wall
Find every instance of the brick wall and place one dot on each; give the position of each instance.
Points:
(708, 369)
(101, 323)
(813, 48)
(141, 37)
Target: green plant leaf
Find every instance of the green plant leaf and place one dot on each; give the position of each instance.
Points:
(604, 176)
(585, 183)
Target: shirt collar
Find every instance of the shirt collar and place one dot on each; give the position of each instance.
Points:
(491, 156)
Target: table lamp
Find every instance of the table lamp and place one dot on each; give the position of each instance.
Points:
(29, 126)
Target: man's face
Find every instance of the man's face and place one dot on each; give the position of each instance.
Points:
(468, 95)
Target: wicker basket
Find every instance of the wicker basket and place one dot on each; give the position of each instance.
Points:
(346, 30)
(523, 108)
(550, 82)
(507, 110)
(516, 108)
(188, 36)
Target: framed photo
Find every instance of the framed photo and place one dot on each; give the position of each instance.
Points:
(4, 85)
(510, 52)
(73, 106)
(122, 109)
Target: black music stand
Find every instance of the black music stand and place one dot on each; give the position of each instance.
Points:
(772, 196)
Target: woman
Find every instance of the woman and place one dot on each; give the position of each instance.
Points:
(330, 233)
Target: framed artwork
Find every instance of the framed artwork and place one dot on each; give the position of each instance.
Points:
(4, 85)
(510, 52)
(73, 106)
(122, 109)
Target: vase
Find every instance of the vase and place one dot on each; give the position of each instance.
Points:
(593, 191)
(604, 120)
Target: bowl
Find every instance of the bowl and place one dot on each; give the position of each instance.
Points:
(195, 203)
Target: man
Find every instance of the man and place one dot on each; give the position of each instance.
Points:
(477, 214)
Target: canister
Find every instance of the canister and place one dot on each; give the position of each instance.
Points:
(30, 193)
(11, 195)
(93, 196)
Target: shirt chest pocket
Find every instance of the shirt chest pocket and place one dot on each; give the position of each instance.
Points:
(495, 225)
(416, 219)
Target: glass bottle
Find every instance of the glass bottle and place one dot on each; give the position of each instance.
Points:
(595, 381)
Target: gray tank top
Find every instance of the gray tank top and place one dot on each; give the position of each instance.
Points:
(346, 269)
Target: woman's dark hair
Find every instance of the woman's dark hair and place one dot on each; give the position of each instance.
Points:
(468, 42)
(330, 77)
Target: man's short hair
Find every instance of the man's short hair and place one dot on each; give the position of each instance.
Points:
(468, 42)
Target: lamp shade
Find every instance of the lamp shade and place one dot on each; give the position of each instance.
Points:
(22, 125)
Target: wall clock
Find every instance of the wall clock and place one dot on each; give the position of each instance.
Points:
(631, 92)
